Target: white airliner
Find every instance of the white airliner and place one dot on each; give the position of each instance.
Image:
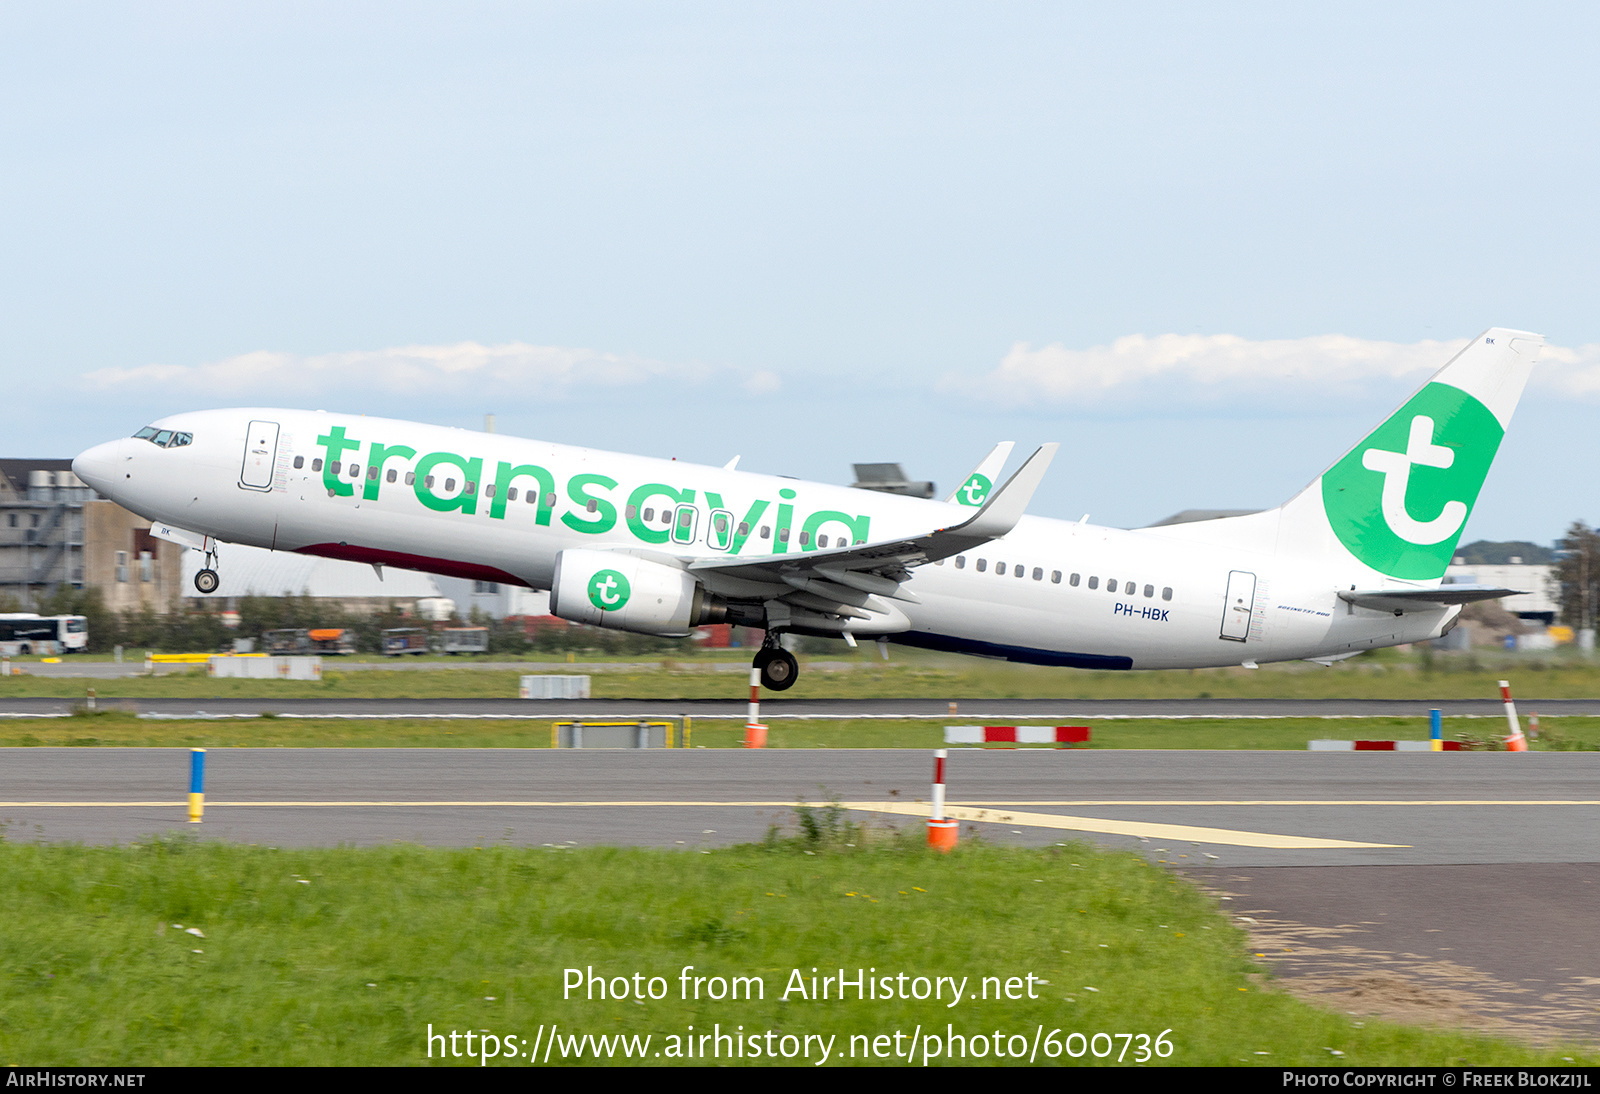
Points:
(1352, 562)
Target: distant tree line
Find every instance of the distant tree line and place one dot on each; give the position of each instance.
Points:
(189, 630)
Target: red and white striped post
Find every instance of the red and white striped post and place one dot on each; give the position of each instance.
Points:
(942, 832)
(1516, 742)
(755, 734)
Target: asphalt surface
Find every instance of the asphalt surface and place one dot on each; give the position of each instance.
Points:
(967, 710)
(1422, 808)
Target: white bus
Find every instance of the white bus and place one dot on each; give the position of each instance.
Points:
(25, 633)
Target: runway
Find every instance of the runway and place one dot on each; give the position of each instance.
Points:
(1465, 881)
(967, 710)
(1177, 806)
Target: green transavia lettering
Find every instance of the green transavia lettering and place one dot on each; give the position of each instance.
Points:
(448, 482)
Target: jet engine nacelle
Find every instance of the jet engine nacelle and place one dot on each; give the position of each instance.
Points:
(627, 593)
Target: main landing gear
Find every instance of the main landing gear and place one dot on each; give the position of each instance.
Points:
(207, 580)
(779, 670)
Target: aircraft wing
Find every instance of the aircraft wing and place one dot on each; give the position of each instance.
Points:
(1400, 600)
(847, 582)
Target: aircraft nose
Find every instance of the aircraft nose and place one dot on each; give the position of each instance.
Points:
(98, 466)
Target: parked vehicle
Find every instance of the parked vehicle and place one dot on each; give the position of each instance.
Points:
(333, 640)
(286, 643)
(23, 633)
(466, 639)
(403, 640)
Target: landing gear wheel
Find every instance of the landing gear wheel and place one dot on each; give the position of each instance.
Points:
(779, 670)
(207, 581)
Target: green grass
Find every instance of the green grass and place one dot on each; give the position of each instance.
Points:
(118, 728)
(912, 674)
(347, 956)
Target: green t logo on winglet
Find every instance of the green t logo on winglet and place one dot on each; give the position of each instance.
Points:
(974, 490)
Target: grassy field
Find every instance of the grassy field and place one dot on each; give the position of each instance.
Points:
(176, 952)
(115, 728)
(1382, 675)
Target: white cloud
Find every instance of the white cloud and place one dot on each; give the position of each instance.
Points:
(1218, 367)
(443, 372)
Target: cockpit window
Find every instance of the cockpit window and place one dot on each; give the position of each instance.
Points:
(163, 438)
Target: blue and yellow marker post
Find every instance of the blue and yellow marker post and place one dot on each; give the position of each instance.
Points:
(197, 784)
(1436, 733)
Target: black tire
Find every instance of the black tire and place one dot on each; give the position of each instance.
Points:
(780, 670)
(207, 581)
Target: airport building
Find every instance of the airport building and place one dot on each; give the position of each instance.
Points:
(54, 530)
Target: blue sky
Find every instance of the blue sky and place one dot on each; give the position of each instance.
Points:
(812, 234)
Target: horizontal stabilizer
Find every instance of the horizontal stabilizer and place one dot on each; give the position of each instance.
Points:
(1389, 600)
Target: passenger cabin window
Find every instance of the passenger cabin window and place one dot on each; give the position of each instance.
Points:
(744, 529)
(299, 462)
(1149, 590)
(316, 464)
(1038, 574)
(1094, 583)
(961, 562)
(411, 478)
(766, 532)
(1111, 586)
(822, 541)
(1000, 568)
(355, 471)
(1055, 577)
(393, 474)
(983, 564)
(1166, 594)
(630, 513)
(1073, 581)
(649, 514)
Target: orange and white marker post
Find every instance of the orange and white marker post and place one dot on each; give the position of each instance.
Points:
(755, 734)
(942, 832)
(1516, 742)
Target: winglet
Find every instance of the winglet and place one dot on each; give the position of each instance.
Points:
(974, 490)
(1006, 505)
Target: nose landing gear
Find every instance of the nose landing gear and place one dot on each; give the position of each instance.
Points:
(207, 580)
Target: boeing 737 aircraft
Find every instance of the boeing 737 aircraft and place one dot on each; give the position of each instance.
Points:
(1352, 562)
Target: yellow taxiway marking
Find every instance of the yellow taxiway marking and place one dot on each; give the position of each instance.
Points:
(909, 808)
(996, 815)
(1293, 801)
(1141, 829)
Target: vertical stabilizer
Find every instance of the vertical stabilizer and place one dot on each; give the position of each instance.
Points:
(1398, 501)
